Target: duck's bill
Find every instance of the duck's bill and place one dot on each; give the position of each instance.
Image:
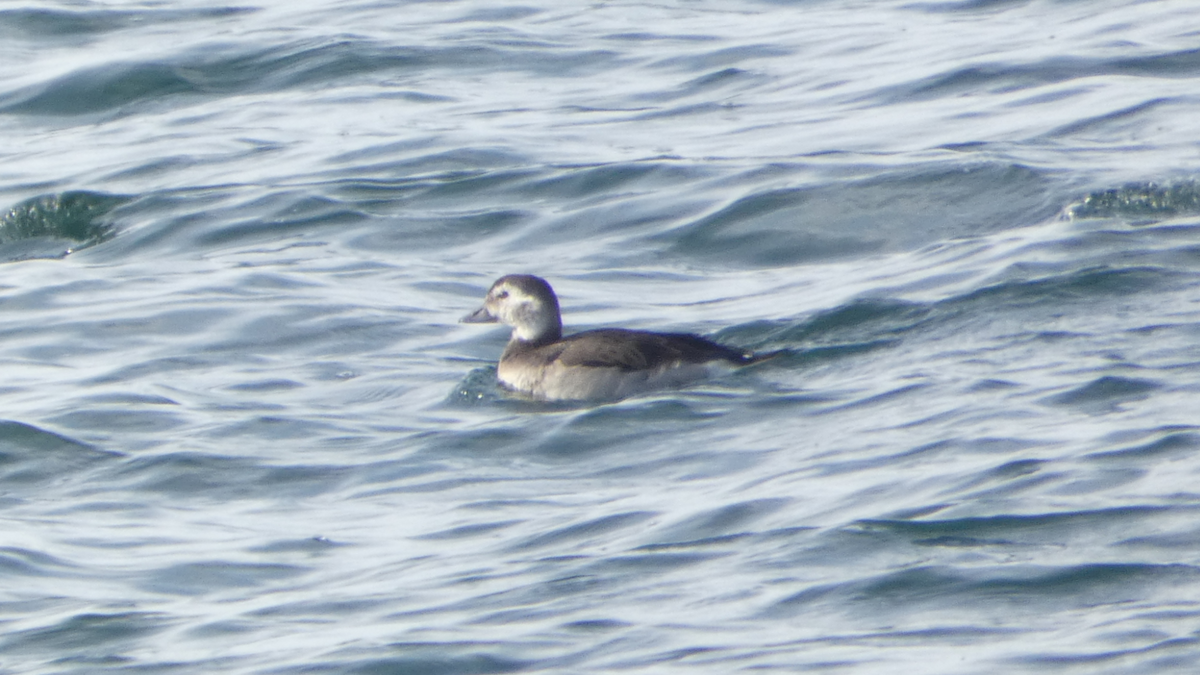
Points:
(480, 315)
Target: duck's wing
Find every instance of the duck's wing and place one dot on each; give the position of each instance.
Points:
(641, 350)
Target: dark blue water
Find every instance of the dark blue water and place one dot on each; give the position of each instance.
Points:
(241, 430)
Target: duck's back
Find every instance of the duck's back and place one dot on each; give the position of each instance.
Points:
(630, 350)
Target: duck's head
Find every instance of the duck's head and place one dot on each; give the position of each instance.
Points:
(525, 302)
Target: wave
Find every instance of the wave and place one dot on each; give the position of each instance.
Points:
(30, 456)
(225, 69)
(54, 225)
(1007, 77)
(1147, 201)
(903, 210)
(39, 24)
(1024, 588)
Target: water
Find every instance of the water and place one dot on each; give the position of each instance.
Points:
(242, 431)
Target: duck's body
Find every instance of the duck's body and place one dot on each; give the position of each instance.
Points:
(604, 364)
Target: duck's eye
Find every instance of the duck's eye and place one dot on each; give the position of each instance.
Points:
(502, 295)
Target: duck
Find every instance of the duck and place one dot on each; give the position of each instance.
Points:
(605, 364)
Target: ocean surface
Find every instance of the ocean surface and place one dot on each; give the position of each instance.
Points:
(242, 431)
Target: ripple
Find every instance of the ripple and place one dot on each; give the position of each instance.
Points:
(434, 659)
(200, 578)
(904, 210)
(1106, 392)
(30, 456)
(51, 226)
(34, 23)
(1027, 588)
(582, 531)
(89, 636)
(209, 477)
(1139, 201)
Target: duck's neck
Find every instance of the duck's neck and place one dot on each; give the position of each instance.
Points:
(538, 335)
(536, 324)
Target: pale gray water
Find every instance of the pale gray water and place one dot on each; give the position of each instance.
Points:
(242, 431)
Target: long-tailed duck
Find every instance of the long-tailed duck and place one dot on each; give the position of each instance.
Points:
(595, 365)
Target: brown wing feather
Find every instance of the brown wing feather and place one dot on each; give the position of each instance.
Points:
(636, 350)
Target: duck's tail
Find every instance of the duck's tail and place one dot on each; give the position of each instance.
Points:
(751, 358)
